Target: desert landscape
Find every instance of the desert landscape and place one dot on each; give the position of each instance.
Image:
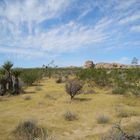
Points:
(69, 70)
(70, 103)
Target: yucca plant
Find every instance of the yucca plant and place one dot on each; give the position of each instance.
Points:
(7, 67)
(16, 88)
(2, 85)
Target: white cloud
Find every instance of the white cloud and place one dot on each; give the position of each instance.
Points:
(20, 51)
(135, 28)
(20, 25)
(33, 10)
(130, 19)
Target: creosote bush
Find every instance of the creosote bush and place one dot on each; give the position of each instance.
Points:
(70, 116)
(73, 87)
(59, 80)
(119, 90)
(29, 130)
(30, 76)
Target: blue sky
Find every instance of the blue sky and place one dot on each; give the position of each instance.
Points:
(34, 32)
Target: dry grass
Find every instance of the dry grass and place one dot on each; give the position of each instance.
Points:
(49, 113)
(102, 119)
(27, 97)
(124, 112)
(70, 116)
(29, 130)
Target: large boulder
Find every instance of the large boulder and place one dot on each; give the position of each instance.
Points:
(89, 64)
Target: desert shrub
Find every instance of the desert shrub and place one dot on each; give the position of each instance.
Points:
(59, 80)
(99, 76)
(118, 133)
(119, 90)
(102, 119)
(123, 113)
(73, 87)
(29, 130)
(27, 98)
(136, 91)
(29, 77)
(70, 116)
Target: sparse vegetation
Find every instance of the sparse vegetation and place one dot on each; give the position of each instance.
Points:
(50, 99)
(102, 119)
(119, 133)
(70, 116)
(119, 90)
(123, 113)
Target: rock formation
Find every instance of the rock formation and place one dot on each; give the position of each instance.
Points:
(89, 64)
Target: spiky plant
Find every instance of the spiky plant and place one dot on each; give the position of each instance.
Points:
(7, 67)
(2, 85)
(16, 73)
(2, 71)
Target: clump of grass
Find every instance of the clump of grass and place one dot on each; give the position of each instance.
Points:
(50, 97)
(119, 90)
(102, 119)
(29, 130)
(70, 116)
(38, 88)
(124, 113)
(27, 98)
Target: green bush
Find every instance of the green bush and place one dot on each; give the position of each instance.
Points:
(29, 77)
(59, 80)
(99, 76)
(119, 90)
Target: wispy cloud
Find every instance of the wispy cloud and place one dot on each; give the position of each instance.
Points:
(135, 28)
(130, 19)
(25, 25)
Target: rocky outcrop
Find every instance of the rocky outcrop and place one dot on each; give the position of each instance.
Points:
(89, 64)
(109, 65)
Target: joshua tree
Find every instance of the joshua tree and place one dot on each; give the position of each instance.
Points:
(16, 74)
(2, 85)
(134, 61)
(7, 67)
